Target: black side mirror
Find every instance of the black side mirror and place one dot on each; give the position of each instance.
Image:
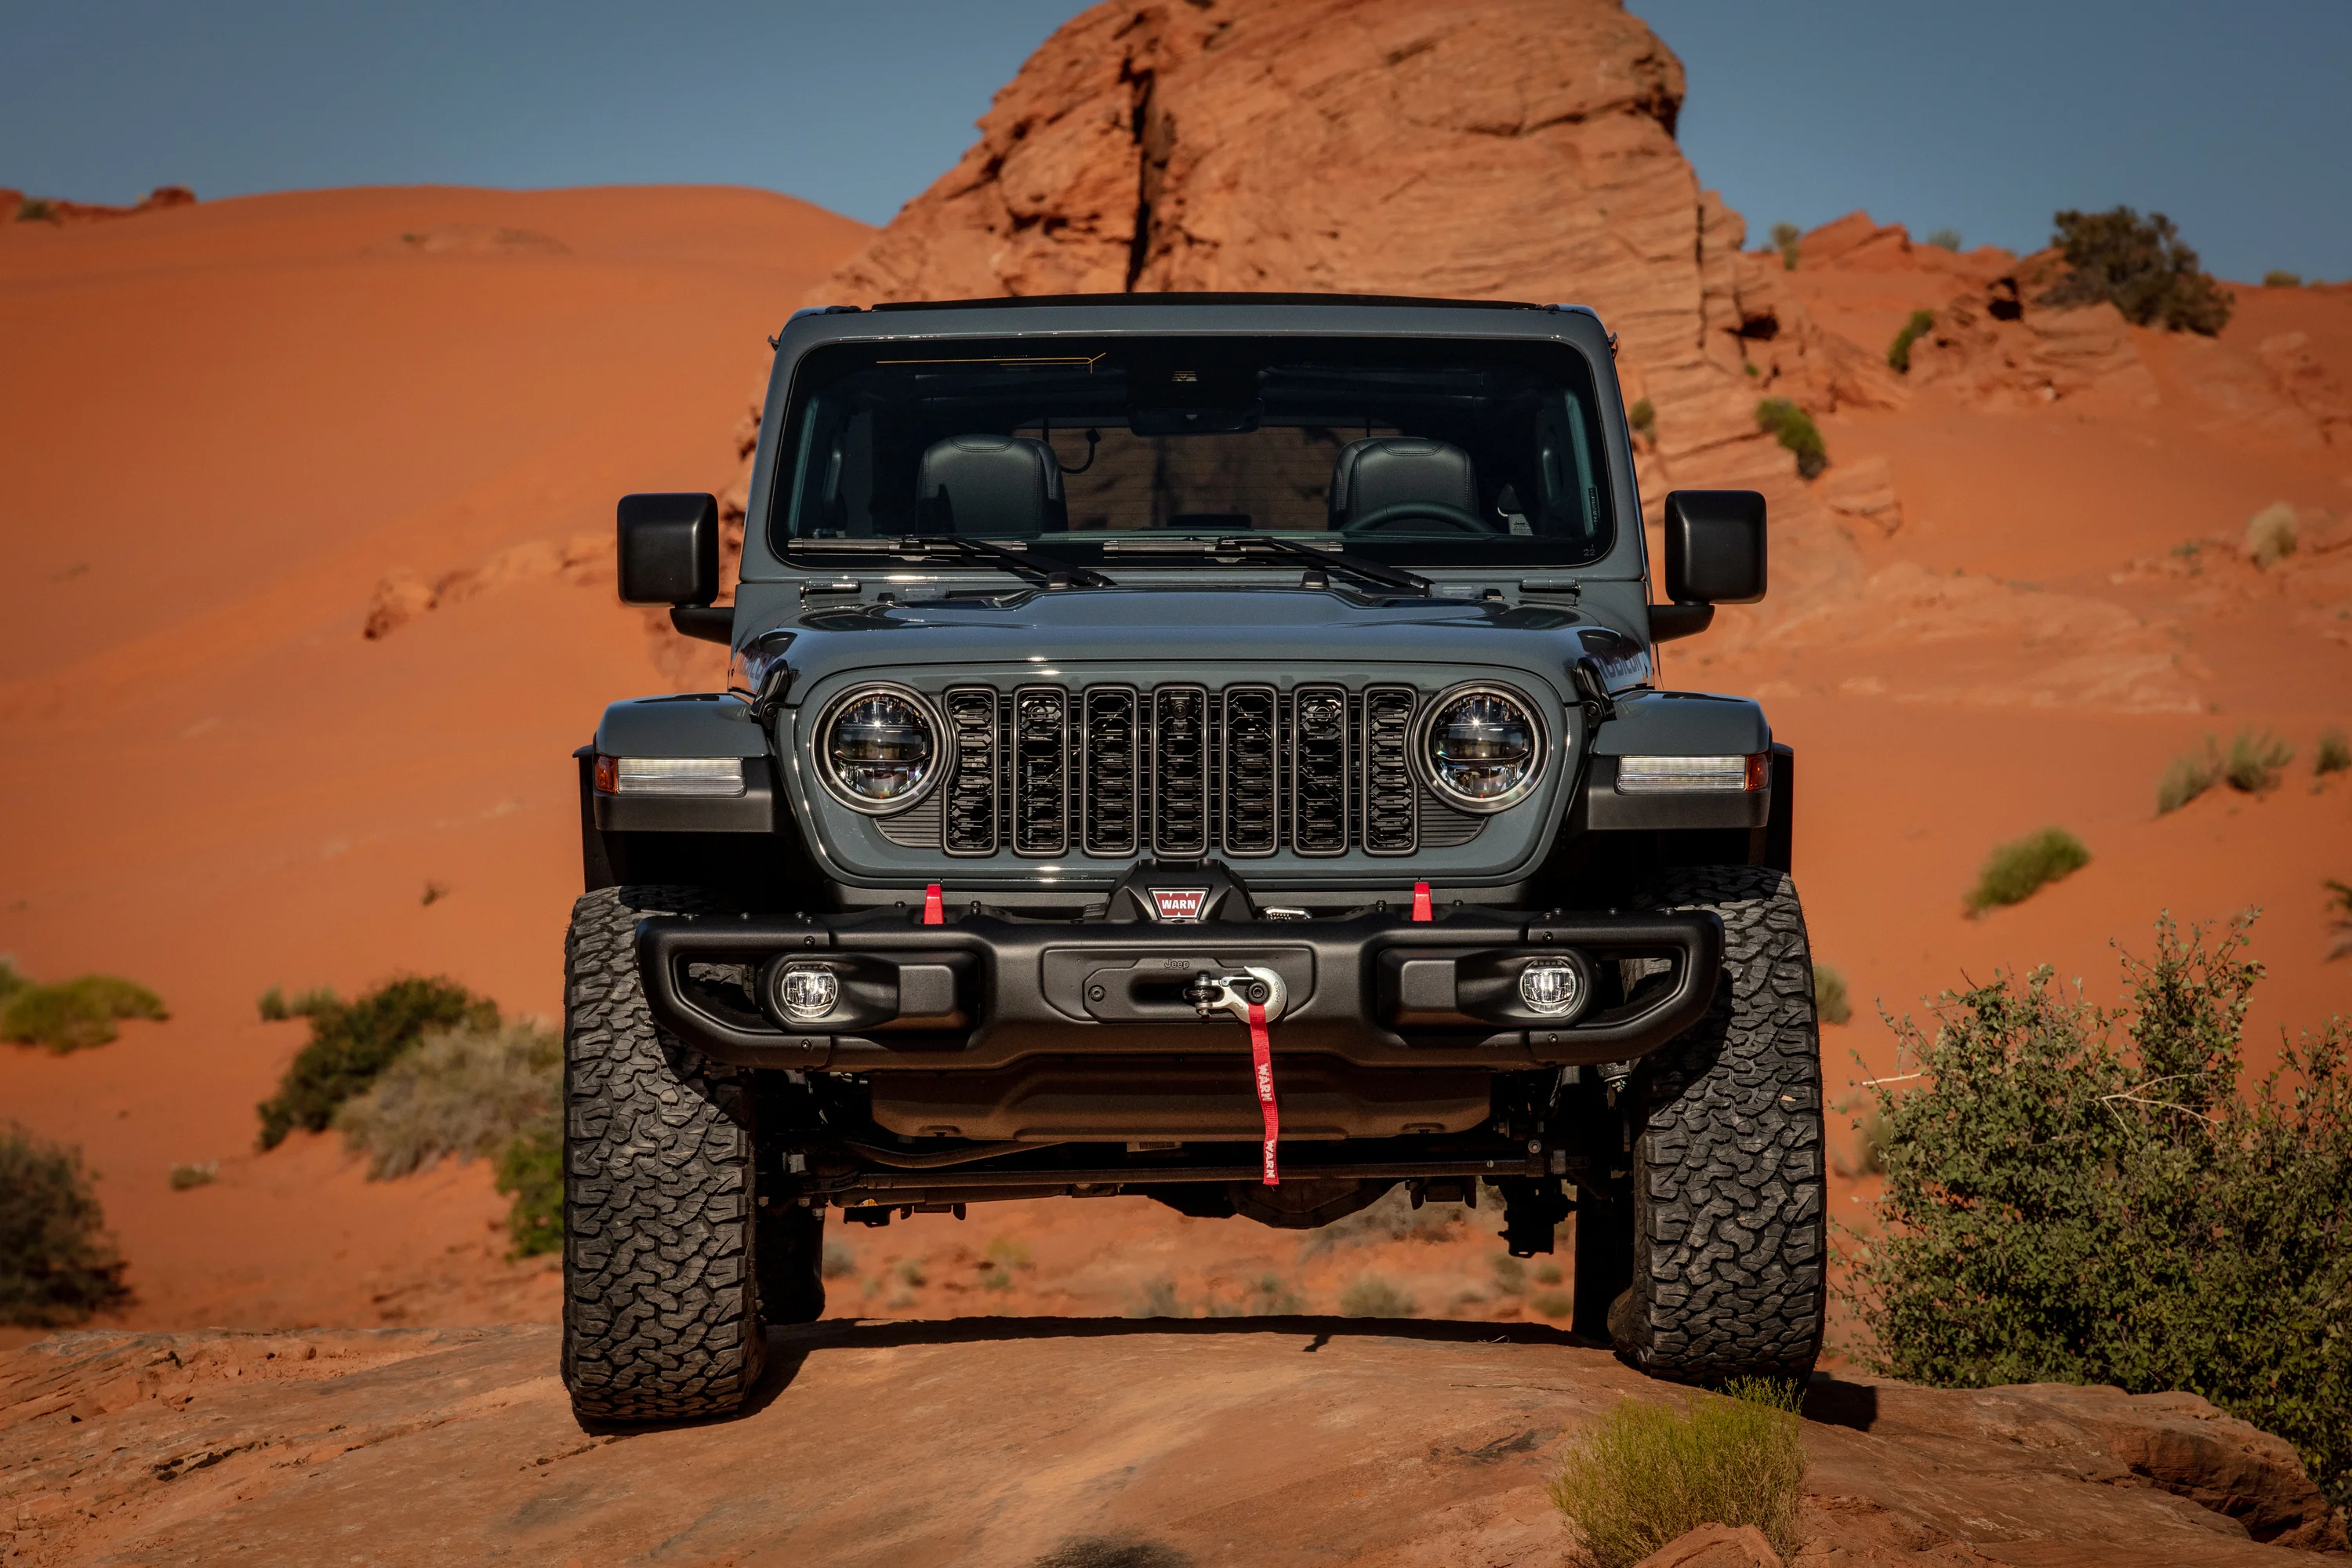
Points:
(1715, 547)
(669, 549)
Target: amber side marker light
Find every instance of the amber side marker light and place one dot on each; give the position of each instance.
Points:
(669, 775)
(1694, 775)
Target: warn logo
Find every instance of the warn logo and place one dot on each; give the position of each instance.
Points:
(1179, 904)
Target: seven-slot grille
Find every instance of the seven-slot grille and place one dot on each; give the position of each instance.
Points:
(1181, 771)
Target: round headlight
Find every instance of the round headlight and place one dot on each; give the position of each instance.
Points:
(879, 749)
(1481, 748)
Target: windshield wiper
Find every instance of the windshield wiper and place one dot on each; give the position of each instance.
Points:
(1327, 561)
(1061, 575)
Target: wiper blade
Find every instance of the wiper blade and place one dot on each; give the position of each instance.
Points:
(1060, 574)
(1355, 566)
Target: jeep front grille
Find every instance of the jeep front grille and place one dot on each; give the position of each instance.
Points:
(1041, 770)
(1181, 771)
(1253, 768)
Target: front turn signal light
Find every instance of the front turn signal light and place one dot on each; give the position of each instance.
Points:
(708, 777)
(1687, 775)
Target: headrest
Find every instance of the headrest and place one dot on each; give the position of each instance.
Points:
(1386, 469)
(990, 485)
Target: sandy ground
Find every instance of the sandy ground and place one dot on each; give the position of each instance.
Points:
(225, 425)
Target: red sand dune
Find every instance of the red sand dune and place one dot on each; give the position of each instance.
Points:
(227, 425)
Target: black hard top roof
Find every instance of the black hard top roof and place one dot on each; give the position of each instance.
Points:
(1031, 301)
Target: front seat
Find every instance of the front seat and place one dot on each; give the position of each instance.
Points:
(990, 485)
(1388, 470)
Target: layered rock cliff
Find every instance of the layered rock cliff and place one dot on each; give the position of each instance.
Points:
(1492, 149)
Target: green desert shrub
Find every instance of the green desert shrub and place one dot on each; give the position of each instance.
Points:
(531, 1174)
(202, 1173)
(1946, 239)
(2083, 1195)
(1649, 1474)
(275, 1008)
(1157, 1298)
(1797, 432)
(1786, 237)
(351, 1042)
(2140, 267)
(1374, 1297)
(463, 1094)
(1644, 417)
(37, 209)
(2015, 871)
(2277, 277)
(1829, 1003)
(12, 978)
(2270, 535)
(2186, 776)
(1390, 1217)
(58, 1265)
(2333, 754)
(2254, 762)
(74, 1014)
(1899, 354)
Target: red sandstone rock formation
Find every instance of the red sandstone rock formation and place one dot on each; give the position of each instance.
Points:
(47, 210)
(1494, 149)
(1306, 1440)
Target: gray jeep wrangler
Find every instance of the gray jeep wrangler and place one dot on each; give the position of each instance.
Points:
(1204, 747)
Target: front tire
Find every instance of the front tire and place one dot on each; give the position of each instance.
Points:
(1729, 1198)
(661, 1319)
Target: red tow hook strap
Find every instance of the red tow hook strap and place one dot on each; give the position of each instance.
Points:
(1421, 910)
(1262, 1061)
(935, 910)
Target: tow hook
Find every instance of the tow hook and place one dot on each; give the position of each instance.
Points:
(1255, 996)
(1237, 994)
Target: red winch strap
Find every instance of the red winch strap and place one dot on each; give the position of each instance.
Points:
(1262, 1064)
(1421, 910)
(935, 910)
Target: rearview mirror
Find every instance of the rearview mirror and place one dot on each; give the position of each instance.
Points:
(1715, 547)
(669, 549)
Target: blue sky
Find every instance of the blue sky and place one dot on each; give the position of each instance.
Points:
(1985, 117)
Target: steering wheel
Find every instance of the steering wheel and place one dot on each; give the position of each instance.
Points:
(1382, 519)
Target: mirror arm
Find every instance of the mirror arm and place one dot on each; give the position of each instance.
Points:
(711, 622)
(1668, 622)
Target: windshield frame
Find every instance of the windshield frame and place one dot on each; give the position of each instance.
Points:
(1566, 367)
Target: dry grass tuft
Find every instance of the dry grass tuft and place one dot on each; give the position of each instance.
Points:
(1374, 1297)
(2188, 776)
(2270, 534)
(1649, 1474)
(1829, 1003)
(2015, 871)
(2254, 762)
(73, 1015)
(462, 1093)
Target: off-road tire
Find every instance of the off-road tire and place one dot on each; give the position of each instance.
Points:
(661, 1319)
(1730, 1205)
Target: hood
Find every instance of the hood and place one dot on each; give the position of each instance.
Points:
(1263, 627)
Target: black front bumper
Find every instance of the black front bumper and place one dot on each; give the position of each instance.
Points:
(983, 993)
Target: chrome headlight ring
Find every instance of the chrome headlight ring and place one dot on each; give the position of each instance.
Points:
(933, 766)
(1424, 740)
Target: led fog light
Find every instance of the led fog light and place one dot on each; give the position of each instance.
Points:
(1551, 989)
(807, 995)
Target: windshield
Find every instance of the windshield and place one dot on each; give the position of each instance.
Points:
(1445, 452)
